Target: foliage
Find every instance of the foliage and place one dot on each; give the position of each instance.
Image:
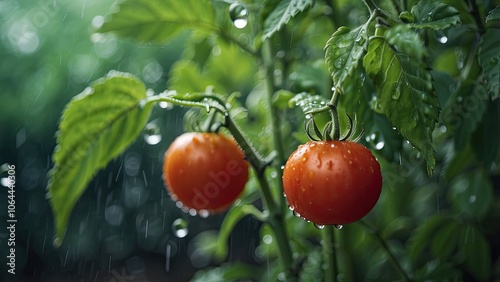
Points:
(421, 76)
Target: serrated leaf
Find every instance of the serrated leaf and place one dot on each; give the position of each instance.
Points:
(477, 251)
(280, 16)
(472, 195)
(434, 15)
(494, 15)
(343, 52)
(307, 102)
(160, 20)
(422, 236)
(96, 126)
(405, 95)
(489, 59)
(403, 38)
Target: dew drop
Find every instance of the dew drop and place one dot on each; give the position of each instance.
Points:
(282, 167)
(203, 213)
(290, 207)
(239, 15)
(472, 199)
(192, 212)
(380, 145)
(179, 204)
(152, 134)
(296, 213)
(338, 226)
(273, 174)
(174, 197)
(180, 228)
(319, 226)
(443, 39)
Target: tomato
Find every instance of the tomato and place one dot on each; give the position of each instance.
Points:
(204, 172)
(332, 182)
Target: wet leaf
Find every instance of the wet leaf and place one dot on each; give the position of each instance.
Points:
(343, 52)
(494, 15)
(405, 94)
(434, 15)
(160, 20)
(280, 16)
(96, 126)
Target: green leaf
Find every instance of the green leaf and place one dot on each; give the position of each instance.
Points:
(280, 16)
(281, 98)
(494, 15)
(472, 194)
(233, 216)
(96, 126)
(160, 20)
(489, 59)
(485, 140)
(477, 251)
(405, 95)
(343, 52)
(444, 241)
(434, 15)
(403, 38)
(307, 102)
(422, 236)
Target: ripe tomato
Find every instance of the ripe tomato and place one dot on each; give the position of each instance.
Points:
(204, 171)
(332, 182)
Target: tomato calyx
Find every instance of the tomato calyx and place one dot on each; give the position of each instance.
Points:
(332, 130)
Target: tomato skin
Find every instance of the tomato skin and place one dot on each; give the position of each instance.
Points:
(332, 182)
(204, 171)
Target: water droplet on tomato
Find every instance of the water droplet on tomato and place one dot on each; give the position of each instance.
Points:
(192, 212)
(338, 226)
(203, 213)
(319, 226)
(180, 228)
(310, 174)
(174, 197)
(179, 204)
(296, 213)
(290, 207)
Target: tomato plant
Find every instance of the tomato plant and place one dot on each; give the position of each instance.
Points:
(420, 76)
(204, 172)
(332, 182)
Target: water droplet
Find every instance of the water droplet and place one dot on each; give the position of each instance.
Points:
(319, 226)
(267, 239)
(179, 204)
(192, 212)
(308, 116)
(296, 213)
(380, 145)
(443, 39)
(338, 226)
(396, 94)
(180, 228)
(290, 207)
(339, 62)
(203, 213)
(360, 40)
(273, 174)
(282, 167)
(152, 134)
(239, 15)
(174, 197)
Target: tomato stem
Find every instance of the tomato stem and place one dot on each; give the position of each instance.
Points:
(329, 253)
(335, 134)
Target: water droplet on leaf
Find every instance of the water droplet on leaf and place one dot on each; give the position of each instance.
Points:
(239, 15)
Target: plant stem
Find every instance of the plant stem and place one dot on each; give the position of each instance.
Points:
(329, 253)
(384, 245)
(276, 209)
(370, 5)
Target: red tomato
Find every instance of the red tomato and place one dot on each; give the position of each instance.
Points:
(332, 182)
(204, 171)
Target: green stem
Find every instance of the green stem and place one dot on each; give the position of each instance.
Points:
(276, 210)
(335, 115)
(384, 245)
(370, 5)
(329, 253)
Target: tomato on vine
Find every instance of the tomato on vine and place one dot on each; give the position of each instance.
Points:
(332, 182)
(205, 172)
